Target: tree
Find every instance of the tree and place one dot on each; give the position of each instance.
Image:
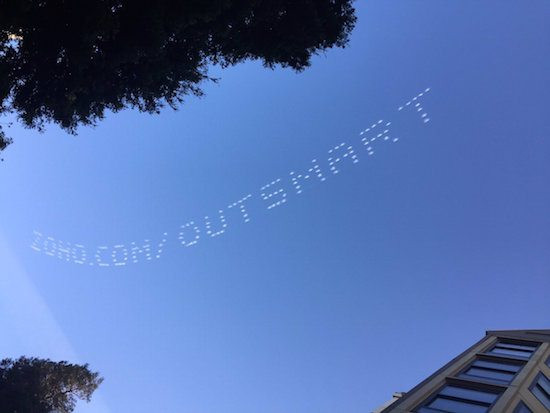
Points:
(67, 61)
(32, 385)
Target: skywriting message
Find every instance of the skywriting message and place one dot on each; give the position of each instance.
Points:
(271, 195)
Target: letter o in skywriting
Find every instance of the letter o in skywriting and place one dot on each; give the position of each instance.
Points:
(119, 255)
(186, 227)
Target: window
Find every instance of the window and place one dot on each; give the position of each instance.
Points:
(541, 389)
(522, 408)
(508, 349)
(496, 371)
(455, 399)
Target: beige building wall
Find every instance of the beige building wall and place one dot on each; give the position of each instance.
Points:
(488, 349)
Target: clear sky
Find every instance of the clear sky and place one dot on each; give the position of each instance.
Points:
(359, 286)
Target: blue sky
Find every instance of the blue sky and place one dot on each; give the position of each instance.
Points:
(360, 286)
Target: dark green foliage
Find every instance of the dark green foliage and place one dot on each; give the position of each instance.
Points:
(67, 61)
(4, 140)
(31, 385)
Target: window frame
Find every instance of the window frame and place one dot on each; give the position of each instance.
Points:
(538, 377)
(496, 359)
(496, 389)
(521, 405)
(534, 344)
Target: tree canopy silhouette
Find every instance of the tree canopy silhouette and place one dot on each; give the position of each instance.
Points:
(67, 61)
(43, 386)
